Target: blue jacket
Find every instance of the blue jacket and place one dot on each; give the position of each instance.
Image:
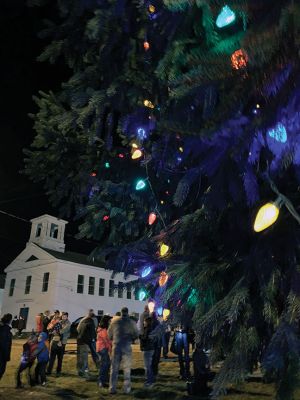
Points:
(42, 349)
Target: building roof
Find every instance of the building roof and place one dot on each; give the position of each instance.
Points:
(74, 257)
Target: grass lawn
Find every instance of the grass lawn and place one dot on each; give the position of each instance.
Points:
(70, 386)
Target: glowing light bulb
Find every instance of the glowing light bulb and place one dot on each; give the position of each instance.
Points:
(266, 216)
(239, 59)
(151, 8)
(151, 306)
(148, 103)
(134, 145)
(146, 271)
(142, 295)
(136, 154)
(146, 46)
(140, 184)
(152, 218)
(141, 133)
(278, 133)
(226, 17)
(163, 279)
(159, 310)
(164, 249)
(107, 165)
(94, 173)
(105, 218)
(166, 313)
(121, 155)
(180, 149)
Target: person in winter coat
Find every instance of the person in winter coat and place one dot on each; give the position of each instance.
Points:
(21, 325)
(39, 323)
(5, 342)
(55, 320)
(45, 320)
(65, 330)
(27, 360)
(145, 314)
(156, 336)
(14, 325)
(42, 359)
(92, 344)
(147, 347)
(86, 336)
(56, 350)
(122, 331)
(103, 347)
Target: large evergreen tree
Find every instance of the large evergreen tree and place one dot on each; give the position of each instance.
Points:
(215, 111)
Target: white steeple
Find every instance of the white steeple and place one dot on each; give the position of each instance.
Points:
(48, 232)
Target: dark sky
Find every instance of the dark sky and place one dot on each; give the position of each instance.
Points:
(21, 77)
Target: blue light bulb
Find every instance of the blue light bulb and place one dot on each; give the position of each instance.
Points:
(225, 18)
(141, 133)
(142, 295)
(146, 271)
(278, 133)
(140, 184)
(159, 310)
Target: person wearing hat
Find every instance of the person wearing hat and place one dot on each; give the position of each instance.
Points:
(122, 332)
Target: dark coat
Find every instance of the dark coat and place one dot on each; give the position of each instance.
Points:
(146, 342)
(5, 341)
(46, 321)
(86, 331)
(21, 324)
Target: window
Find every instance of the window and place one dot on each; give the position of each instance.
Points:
(101, 287)
(136, 294)
(12, 287)
(27, 284)
(111, 288)
(100, 313)
(91, 285)
(120, 291)
(54, 231)
(38, 230)
(80, 283)
(129, 293)
(45, 282)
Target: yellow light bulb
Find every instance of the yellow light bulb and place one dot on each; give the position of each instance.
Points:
(136, 154)
(151, 306)
(148, 103)
(181, 149)
(164, 249)
(266, 217)
(151, 8)
(134, 145)
(166, 313)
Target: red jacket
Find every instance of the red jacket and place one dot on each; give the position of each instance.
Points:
(102, 340)
(38, 324)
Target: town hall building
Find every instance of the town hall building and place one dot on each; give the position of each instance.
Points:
(46, 277)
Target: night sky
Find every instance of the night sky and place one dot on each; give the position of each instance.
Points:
(22, 77)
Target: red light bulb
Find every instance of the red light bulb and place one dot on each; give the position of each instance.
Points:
(152, 218)
(105, 218)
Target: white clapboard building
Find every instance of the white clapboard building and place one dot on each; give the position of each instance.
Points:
(46, 277)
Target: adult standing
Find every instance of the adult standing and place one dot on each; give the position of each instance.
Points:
(5, 342)
(147, 347)
(39, 323)
(122, 331)
(14, 325)
(92, 344)
(86, 336)
(56, 348)
(145, 314)
(156, 336)
(46, 319)
(182, 346)
(103, 348)
(21, 325)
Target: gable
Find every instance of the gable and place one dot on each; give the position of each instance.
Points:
(31, 256)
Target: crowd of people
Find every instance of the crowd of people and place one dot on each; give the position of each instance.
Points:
(109, 342)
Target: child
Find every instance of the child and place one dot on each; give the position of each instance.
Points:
(147, 347)
(42, 359)
(103, 348)
(27, 360)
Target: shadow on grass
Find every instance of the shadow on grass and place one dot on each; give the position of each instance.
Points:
(233, 391)
(68, 393)
(153, 394)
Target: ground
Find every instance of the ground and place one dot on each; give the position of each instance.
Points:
(70, 386)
